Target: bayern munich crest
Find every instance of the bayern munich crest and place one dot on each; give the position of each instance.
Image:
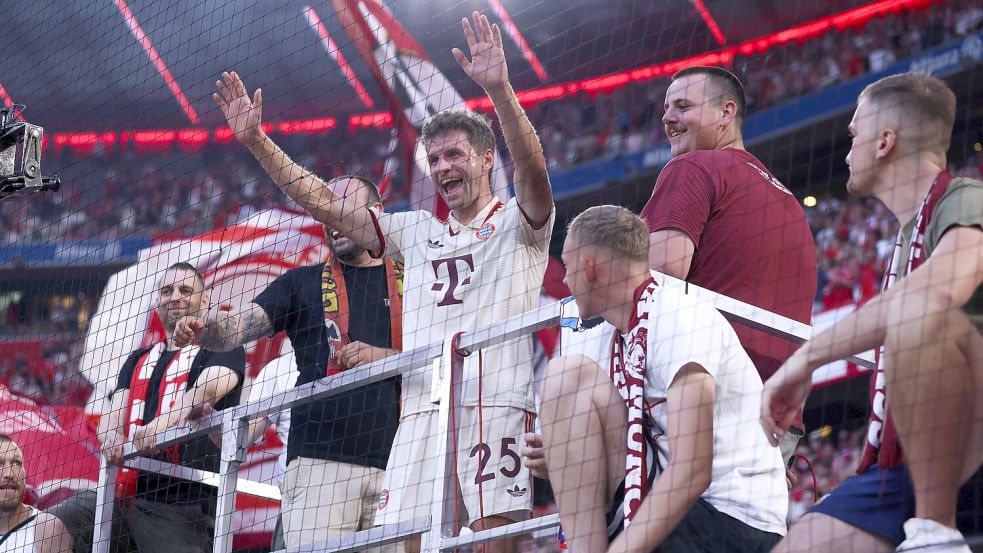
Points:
(383, 499)
(485, 232)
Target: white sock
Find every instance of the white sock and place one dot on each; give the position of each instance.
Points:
(922, 534)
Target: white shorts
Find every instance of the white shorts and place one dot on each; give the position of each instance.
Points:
(490, 473)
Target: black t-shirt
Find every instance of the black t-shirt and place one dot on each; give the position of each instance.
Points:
(354, 427)
(199, 453)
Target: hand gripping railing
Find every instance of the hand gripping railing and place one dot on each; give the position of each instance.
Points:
(437, 531)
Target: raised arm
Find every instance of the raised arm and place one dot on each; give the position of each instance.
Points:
(224, 331)
(488, 68)
(307, 189)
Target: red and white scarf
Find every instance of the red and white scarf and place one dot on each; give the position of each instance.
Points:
(175, 382)
(882, 436)
(629, 353)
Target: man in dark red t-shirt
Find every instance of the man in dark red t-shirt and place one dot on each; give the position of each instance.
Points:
(720, 220)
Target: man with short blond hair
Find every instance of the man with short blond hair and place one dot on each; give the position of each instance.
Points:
(658, 450)
(927, 405)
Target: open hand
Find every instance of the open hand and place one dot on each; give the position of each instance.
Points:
(487, 66)
(243, 114)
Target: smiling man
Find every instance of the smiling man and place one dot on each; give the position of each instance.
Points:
(24, 529)
(720, 220)
(483, 265)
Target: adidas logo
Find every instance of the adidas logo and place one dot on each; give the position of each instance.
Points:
(516, 491)
(433, 244)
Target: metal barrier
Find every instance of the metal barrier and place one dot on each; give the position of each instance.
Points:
(437, 531)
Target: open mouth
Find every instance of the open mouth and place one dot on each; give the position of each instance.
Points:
(673, 133)
(451, 184)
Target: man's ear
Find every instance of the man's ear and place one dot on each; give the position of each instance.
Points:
(206, 297)
(588, 264)
(887, 142)
(488, 159)
(727, 113)
(378, 206)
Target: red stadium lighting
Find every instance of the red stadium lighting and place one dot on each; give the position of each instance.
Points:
(192, 137)
(154, 137)
(314, 21)
(513, 31)
(158, 62)
(380, 119)
(307, 126)
(710, 21)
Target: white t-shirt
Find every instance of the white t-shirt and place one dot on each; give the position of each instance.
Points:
(748, 478)
(460, 277)
(277, 376)
(22, 539)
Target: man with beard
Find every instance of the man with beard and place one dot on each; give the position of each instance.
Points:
(162, 386)
(24, 529)
(337, 448)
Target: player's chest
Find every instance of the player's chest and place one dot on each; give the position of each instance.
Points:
(448, 266)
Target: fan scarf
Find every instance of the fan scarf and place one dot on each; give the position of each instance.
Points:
(334, 298)
(882, 436)
(175, 382)
(629, 353)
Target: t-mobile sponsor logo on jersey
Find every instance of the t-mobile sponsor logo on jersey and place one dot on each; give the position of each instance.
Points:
(459, 269)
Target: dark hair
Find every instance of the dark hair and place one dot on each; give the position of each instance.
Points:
(925, 98)
(477, 126)
(373, 190)
(727, 84)
(185, 266)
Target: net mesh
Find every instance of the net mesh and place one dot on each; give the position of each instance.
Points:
(155, 172)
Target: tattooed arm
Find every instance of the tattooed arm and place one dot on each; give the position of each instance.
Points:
(223, 331)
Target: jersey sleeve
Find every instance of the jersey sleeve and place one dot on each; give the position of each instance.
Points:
(234, 359)
(684, 332)
(537, 238)
(961, 206)
(279, 300)
(682, 200)
(396, 231)
(126, 372)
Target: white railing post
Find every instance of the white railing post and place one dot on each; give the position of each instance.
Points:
(449, 374)
(105, 500)
(234, 434)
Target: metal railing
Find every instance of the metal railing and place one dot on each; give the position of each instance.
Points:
(437, 532)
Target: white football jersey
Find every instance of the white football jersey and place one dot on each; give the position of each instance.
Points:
(463, 276)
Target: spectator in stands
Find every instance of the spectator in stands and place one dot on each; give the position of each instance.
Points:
(719, 219)
(338, 447)
(24, 529)
(156, 512)
(901, 130)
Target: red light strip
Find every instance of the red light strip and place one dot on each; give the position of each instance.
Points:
(314, 21)
(710, 21)
(158, 62)
(513, 31)
(6, 97)
(604, 83)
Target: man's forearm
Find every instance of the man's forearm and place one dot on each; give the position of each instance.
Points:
(302, 186)
(531, 178)
(222, 333)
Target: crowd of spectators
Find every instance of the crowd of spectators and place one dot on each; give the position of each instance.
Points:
(115, 191)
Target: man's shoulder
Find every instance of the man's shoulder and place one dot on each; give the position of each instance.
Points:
(963, 184)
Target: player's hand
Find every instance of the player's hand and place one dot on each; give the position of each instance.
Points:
(791, 478)
(188, 330)
(487, 66)
(534, 455)
(243, 114)
(359, 353)
(784, 396)
(194, 413)
(112, 447)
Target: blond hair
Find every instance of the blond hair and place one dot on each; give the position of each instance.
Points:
(613, 228)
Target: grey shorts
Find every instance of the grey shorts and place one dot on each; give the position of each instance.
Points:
(138, 525)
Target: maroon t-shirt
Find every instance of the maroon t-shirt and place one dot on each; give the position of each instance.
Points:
(752, 239)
